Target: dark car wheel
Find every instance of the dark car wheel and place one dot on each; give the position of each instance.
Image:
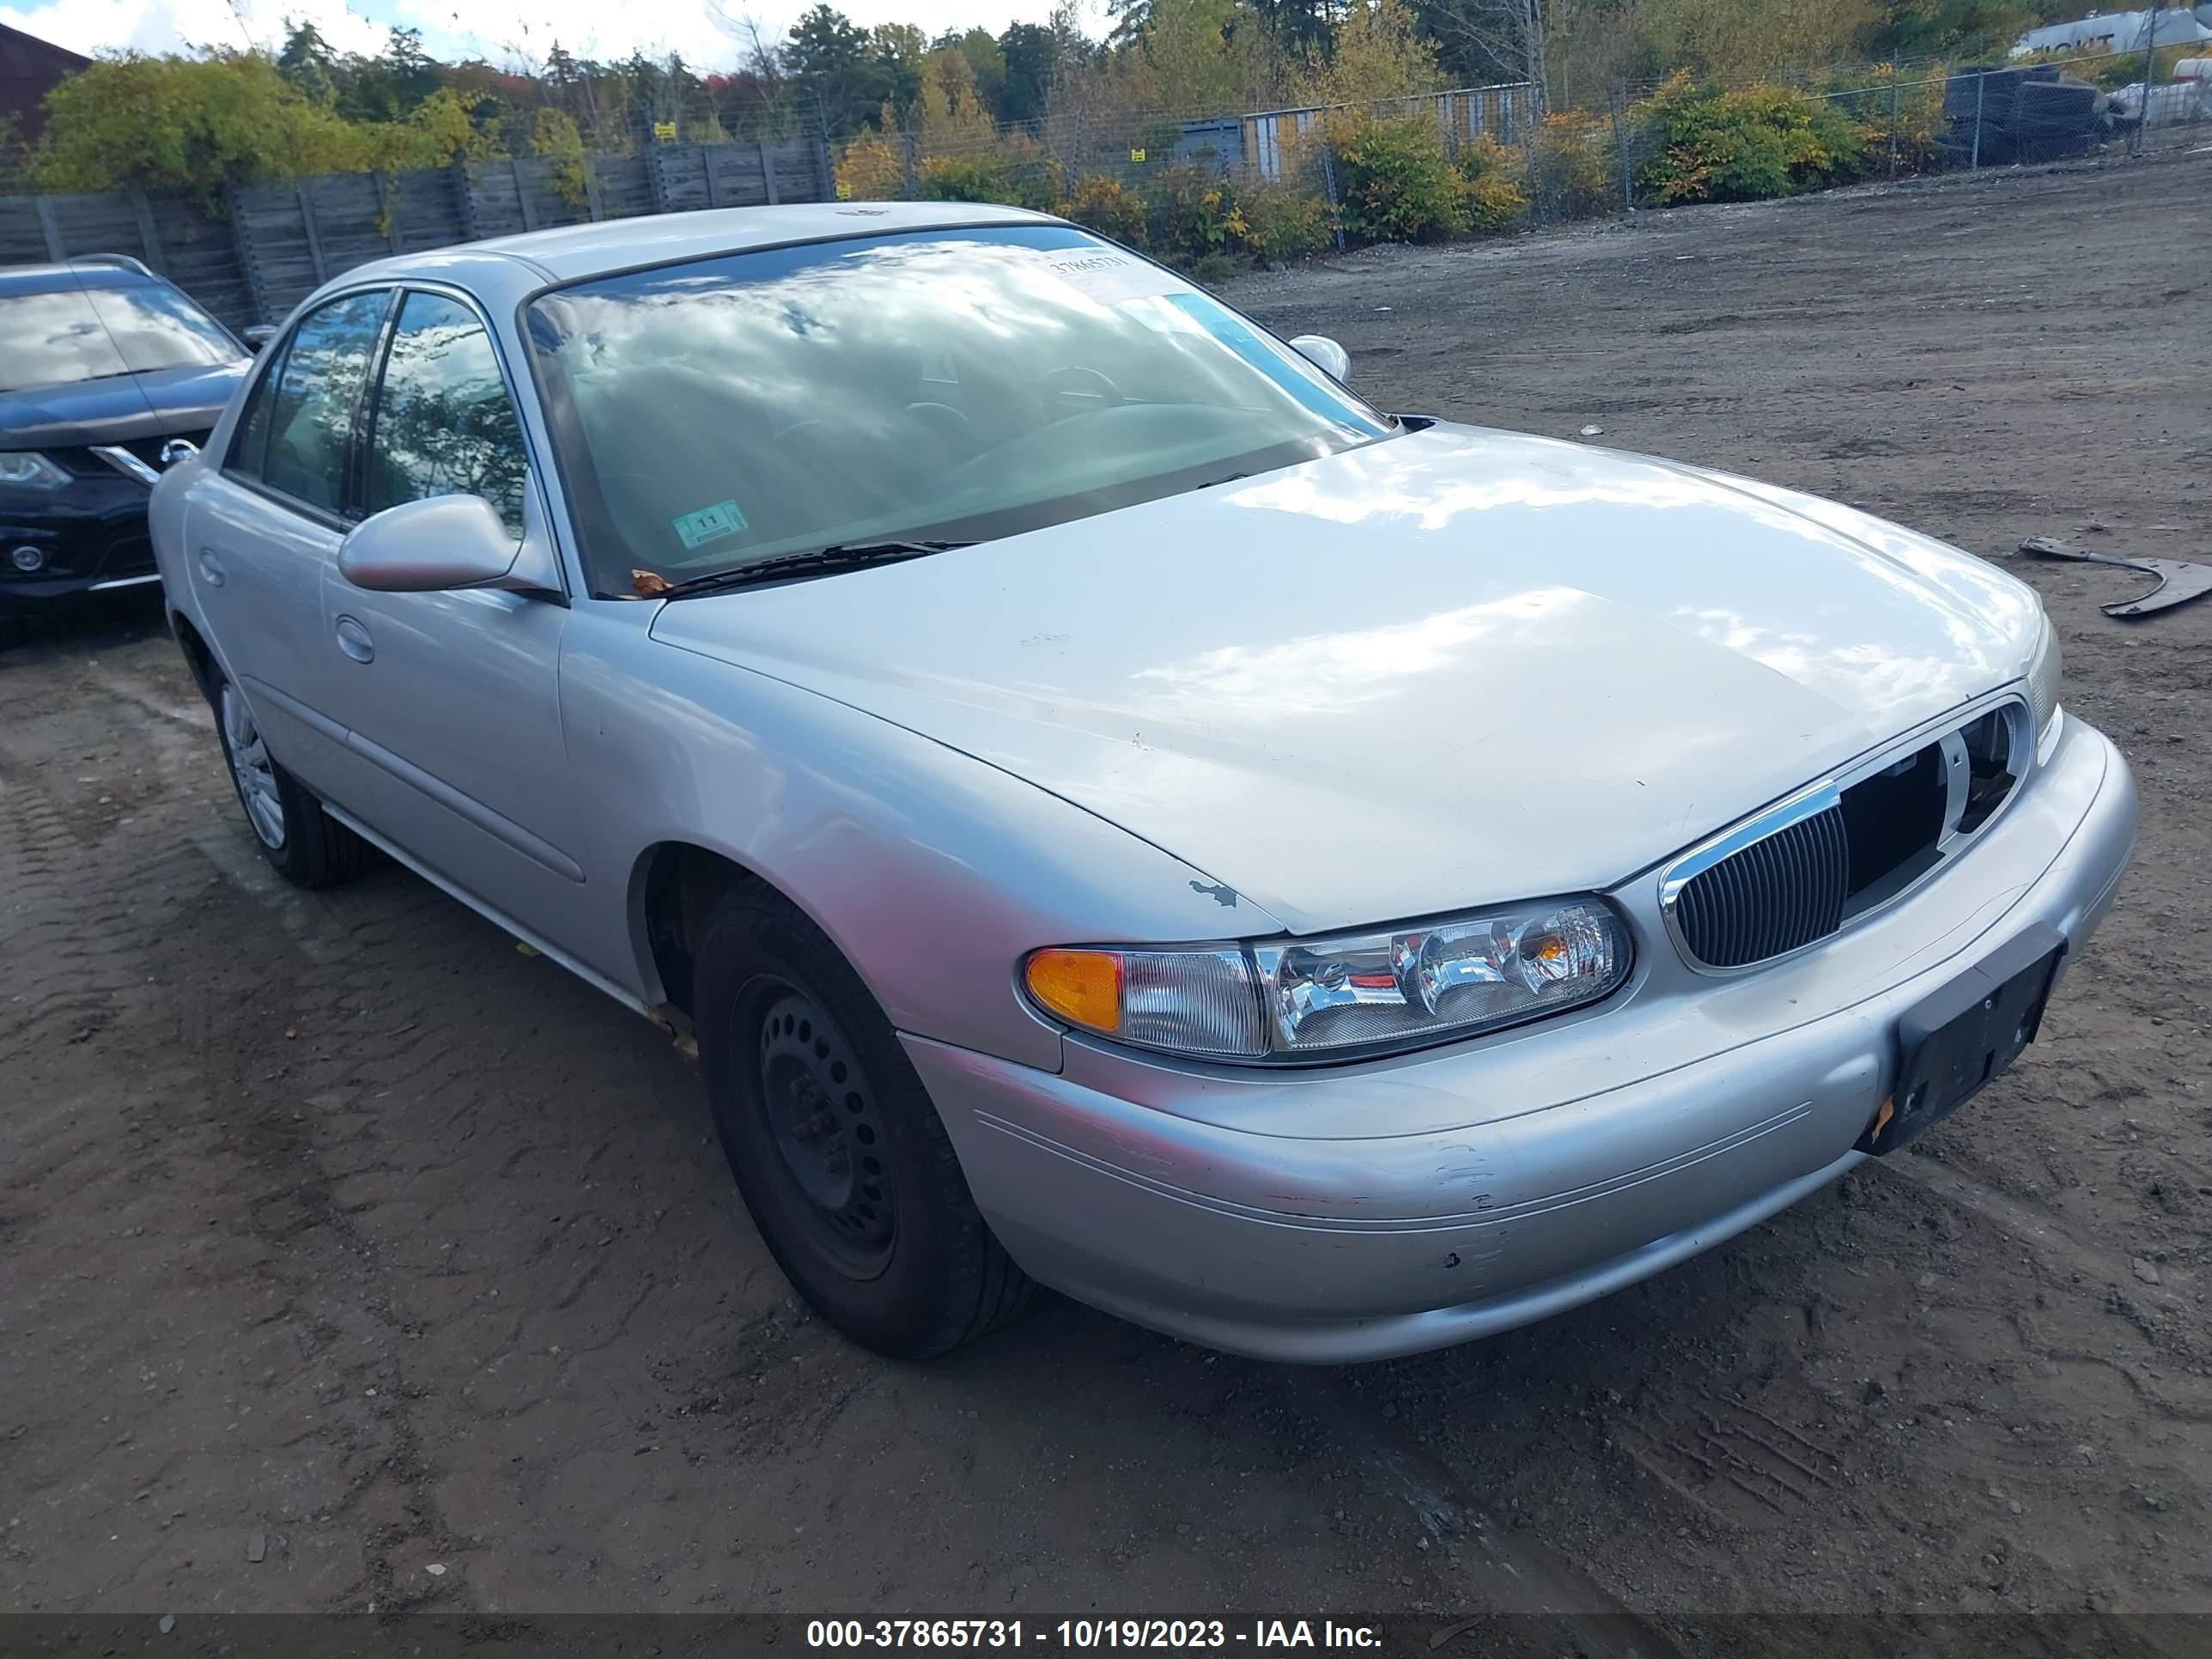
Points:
(304, 843)
(841, 1157)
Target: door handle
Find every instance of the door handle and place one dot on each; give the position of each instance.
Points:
(354, 640)
(210, 567)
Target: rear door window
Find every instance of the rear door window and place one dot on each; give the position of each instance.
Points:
(250, 446)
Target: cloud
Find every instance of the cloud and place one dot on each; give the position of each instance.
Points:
(499, 30)
(155, 26)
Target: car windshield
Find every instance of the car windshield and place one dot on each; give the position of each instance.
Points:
(91, 334)
(953, 384)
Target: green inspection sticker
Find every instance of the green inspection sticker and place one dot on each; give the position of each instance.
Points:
(709, 523)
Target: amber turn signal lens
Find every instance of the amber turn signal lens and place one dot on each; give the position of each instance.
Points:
(1082, 987)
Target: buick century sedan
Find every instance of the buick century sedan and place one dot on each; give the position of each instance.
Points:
(1113, 808)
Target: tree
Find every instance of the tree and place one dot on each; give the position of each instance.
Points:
(1380, 52)
(1207, 57)
(200, 123)
(897, 50)
(828, 55)
(758, 94)
(1924, 28)
(390, 85)
(1741, 41)
(1302, 27)
(1031, 53)
(986, 64)
(182, 123)
(1510, 39)
(309, 65)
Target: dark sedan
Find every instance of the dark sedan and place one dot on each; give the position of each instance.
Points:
(107, 372)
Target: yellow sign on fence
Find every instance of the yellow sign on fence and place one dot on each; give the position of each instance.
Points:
(1136, 156)
(665, 132)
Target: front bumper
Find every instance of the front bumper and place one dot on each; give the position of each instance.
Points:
(91, 533)
(1364, 1211)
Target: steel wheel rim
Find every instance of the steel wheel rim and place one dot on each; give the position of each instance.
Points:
(253, 771)
(822, 1117)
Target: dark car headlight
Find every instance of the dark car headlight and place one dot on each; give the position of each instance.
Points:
(27, 469)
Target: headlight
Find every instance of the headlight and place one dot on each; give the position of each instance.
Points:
(29, 468)
(1287, 999)
(2042, 677)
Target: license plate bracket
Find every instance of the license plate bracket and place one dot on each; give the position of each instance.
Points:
(1956, 1041)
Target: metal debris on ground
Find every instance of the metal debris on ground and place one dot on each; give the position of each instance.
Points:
(2178, 580)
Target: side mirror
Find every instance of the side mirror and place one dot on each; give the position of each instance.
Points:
(258, 337)
(441, 543)
(1324, 353)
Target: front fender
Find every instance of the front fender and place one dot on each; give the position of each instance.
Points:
(934, 873)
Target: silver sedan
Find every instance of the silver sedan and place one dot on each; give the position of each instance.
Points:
(1114, 808)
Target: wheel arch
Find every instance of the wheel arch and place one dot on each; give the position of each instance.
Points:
(199, 657)
(674, 886)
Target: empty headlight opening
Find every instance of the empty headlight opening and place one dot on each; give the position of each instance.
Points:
(1992, 757)
(1813, 865)
(1904, 820)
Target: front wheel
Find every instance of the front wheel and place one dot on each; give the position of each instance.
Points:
(302, 842)
(839, 1154)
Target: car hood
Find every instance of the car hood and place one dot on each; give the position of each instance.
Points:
(159, 404)
(1453, 668)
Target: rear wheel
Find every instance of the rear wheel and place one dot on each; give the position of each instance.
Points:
(839, 1154)
(303, 843)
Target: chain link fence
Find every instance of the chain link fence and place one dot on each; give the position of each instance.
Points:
(1203, 189)
(1652, 146)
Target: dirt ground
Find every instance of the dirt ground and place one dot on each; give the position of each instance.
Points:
(351, 1258)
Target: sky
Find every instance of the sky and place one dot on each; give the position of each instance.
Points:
(498, 30)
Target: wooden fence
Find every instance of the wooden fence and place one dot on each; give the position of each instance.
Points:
(261, 250)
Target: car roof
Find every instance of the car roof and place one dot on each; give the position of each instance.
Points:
(576, 251)
(75, 273)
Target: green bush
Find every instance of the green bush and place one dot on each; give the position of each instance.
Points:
(1107, 206)
(1282, 221)
(1394, 181)
(1190, 213)
(1014, 172)
(1744, 145)
(1569, 174)
(1493, 177)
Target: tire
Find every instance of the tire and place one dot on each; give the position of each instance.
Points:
(303, 843)
(838, 1155)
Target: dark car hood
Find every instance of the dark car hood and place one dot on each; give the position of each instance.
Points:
(157, 404)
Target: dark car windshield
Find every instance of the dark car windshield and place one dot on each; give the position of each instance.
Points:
(958, 385)
(90, 334)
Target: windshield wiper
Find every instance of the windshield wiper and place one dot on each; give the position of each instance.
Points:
(821, 562)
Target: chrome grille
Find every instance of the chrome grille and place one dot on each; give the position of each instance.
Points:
(1777, 895)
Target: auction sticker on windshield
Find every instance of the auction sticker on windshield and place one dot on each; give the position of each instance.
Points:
(1107, 274)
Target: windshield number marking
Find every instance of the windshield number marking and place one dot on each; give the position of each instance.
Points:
(709, 523)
